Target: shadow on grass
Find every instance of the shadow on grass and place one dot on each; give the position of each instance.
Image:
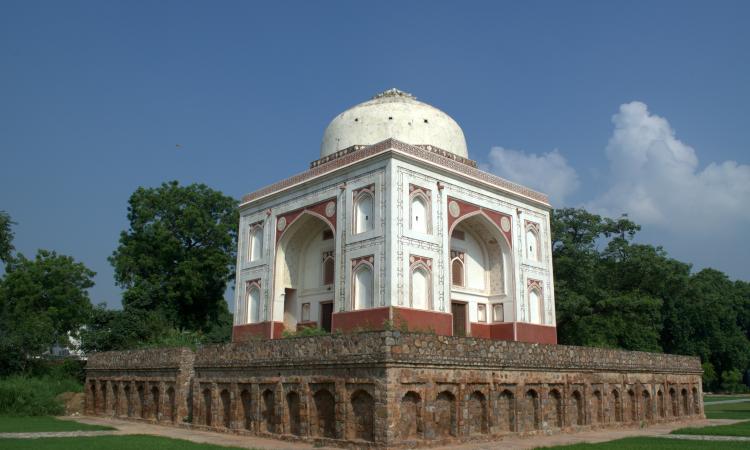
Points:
(37, 424)
(131, 442)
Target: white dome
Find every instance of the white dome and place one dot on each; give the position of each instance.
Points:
(393, 114)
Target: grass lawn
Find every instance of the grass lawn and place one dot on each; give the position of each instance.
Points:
(134, 442)
(644, 443)
(728, 411)
(719, 398)
(31, 424)
(737, 429)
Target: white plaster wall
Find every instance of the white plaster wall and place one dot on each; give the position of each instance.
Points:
(391, 241)
(405, 170)
(347, 244)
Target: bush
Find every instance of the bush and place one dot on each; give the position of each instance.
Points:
(34, 396)
(58, 369)
(305, 332)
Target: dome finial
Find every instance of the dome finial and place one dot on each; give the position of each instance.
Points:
(393, 92)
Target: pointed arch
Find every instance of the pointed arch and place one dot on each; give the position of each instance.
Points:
(420, 286)
(616, 406)
(363, 210)
(298, 268)
(410, 416)
(252, 301)
(533, 243)
(363, 285)
(556, 409)
(507, 410)
(446, 423)
(255, 242)
(420, 211)
(533, 411)
(577, 416)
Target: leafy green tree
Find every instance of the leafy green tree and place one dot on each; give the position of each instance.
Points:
(598, 293)
(6, 237)
(108, 329)
(179, 253)
(41, 301)
(709, 376)
(611, 292)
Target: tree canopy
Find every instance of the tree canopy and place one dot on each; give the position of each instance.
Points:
(41, 301)
(6, 237)
(178, 254)
(612, 292)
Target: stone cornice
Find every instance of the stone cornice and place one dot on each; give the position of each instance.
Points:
(392, 145)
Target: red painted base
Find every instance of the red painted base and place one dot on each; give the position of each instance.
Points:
(406, 319)
(263, 330)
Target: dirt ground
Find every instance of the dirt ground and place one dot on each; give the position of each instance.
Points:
(73, 402)
(513, 442)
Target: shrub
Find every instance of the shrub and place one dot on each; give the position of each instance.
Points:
(305, 332)
(34, 396)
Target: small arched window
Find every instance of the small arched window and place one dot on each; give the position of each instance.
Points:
(420, 213)
(498, 313)
(536, 306)
(362, 283)
(328, 268)
(256, 243)
(457, 269)
(420, 288)
(253, 304)
(532, 243)
(363, 209)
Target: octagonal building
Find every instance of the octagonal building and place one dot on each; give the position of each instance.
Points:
(394, 226)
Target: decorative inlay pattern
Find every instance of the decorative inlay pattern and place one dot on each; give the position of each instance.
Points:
(415, 259)
(501, 220)
(317, 209)
(369, 259)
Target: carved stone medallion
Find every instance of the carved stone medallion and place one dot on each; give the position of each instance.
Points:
(505, 224)
(454, 209)
(330, 209)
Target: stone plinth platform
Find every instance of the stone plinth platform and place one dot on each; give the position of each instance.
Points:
(393, 389)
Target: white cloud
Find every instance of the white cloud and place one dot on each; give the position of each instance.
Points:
(548, 173)
(656, 179)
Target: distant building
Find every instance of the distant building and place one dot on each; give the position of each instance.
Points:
(394, 224)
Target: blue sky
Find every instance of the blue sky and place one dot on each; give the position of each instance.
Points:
(590, 101)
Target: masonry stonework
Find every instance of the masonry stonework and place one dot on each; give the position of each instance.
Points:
(393, 389)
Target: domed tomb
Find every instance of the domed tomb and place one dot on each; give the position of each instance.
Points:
(393, 114)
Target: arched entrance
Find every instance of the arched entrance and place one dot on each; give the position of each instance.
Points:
(480, 263)
(300, 277)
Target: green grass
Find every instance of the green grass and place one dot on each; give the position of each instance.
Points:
(644, 443)
(720, 398)
(736, 429)
(738, 411)
(15, 424)
(134, 442)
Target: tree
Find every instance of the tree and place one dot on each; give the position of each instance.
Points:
(611, 292)
(6, 237)
(598, 299)
(108, 329)
(178, 254)
(41, 301)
